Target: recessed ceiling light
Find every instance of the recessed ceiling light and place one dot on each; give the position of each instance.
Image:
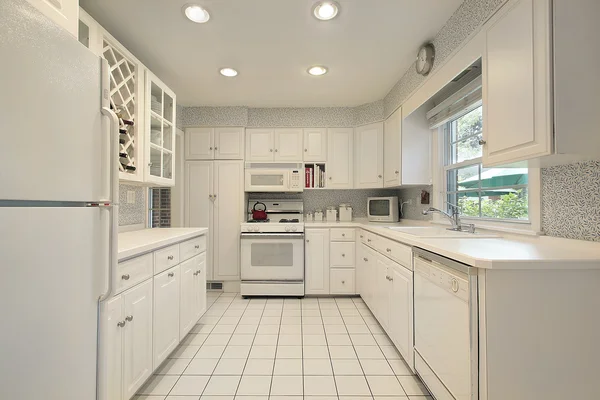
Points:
(229, 72)
(317, 70)
(195, 13)
(326, 10)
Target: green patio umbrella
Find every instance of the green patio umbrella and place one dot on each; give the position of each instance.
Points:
(497, 177)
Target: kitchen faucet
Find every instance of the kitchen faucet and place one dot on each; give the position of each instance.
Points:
(454, 218)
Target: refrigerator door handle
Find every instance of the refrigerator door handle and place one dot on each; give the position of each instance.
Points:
(111, 158)
(113, 211)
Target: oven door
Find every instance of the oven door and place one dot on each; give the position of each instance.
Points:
(267, 180)
(272, 257)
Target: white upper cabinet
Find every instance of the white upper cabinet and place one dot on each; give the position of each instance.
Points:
(63, 12)
(288, 144)
(214, 143)
(517, 82)
(229, 143)
(368, 168)
(340, 152)
(392, 151)
(199, 143)
(315, 144)
(259, 144)
(160, 132)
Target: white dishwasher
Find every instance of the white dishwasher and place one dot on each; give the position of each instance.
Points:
(446, 326)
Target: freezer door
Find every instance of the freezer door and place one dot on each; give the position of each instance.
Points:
(51, 126)
(53, 264)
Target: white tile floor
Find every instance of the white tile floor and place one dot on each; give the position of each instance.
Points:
(277, 349)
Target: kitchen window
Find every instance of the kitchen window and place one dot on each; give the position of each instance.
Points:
(159, 207)
(479, 192)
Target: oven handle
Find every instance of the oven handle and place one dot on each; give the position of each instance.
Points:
(272, 235)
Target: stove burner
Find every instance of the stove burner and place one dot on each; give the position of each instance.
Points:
(282, 221)
(258, 220)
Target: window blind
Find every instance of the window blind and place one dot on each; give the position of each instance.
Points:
(459, 103)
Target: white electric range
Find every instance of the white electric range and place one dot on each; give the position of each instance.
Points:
(272, 250)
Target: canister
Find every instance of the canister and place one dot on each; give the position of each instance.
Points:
(331, 214)
(318, 215)
(345, 212)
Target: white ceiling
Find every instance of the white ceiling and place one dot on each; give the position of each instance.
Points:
(367, 48)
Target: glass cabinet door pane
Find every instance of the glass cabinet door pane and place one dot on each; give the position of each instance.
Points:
(167, 165)
(155, 162)
(168, 108)
(155, 131)
(84, 34)
(167, 137)
(156, 98)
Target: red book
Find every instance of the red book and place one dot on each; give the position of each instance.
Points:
(306, 177)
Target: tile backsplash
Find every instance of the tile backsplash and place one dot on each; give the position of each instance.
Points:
(132, 214)
(415, 209)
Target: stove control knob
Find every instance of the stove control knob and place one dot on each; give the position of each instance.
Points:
(287, 228)
(294, 229)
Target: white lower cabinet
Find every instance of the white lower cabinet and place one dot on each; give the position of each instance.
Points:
(386, 286)
(192, 299)
(200, 287)
(316, 261)
(166, 314)
(126, 342)
(341, 281)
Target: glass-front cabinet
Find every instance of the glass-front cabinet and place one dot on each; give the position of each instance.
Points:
(160, 132)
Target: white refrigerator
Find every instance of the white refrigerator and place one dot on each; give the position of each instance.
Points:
(58, 181)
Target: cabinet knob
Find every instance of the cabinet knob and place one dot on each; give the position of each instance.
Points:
(129, 318)
(197, 246)
(482, 142)
(216, 148)
(171, 274)
(169, 257)
(306, 150)
(379, 176)
(149, 164)
(330, 178)
(276, 150)
(210, 148)
(271, 150)
(368, 240)
(343, 255)
(214, 196)
(199, 271)
(343, 282)
(121, 324)
(388, 250)
(195, 273)
(396, 172)
(366, 259)
(391, 279)
(361, 236)
(307, 241)
(343, 234)
(125, 277)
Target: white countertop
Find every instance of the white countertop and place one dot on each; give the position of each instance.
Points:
(504, 252)
(138, 242)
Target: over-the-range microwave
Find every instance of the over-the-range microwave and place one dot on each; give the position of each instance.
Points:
(273, 177)
(383, 209)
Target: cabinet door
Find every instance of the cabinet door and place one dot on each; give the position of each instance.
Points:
(369, 156)
(160, 132)
(315, 144)
(199, 203)
(340, 154)
(288, 145)
(342, 254)
(516, 85)
(199, 144)
(360, 269)
(369, 275)
(316, 261)
(187, 296)
(200, 286)
(392, 151)
(110, 375)
(229, 143)
(63, 12)
(259, 144)
(382, 289)
(229, 213)
(166, 315)
(137, 337)
(401, 310)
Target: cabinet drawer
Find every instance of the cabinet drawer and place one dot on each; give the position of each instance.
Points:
(368, 238)
(342, 235)
(341, 281)
(396, 251)
(132, 272)
(166, 258)
(192, 247)
(341, 254)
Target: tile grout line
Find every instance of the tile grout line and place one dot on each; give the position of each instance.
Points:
(251, 345)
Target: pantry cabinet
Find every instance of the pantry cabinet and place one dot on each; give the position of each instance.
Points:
(224, 143)
(274, 144)
(64, 13)
(340, 158)
(368, 168)
(316, 261)
(214, 198)
(315, 144)
(166, 314)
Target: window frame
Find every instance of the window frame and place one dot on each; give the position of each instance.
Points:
(150, 209)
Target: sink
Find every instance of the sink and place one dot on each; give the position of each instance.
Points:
(438, 232)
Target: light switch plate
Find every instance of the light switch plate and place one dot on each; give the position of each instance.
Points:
(130, 197)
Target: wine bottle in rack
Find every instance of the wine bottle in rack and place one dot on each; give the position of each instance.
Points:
(128, 167)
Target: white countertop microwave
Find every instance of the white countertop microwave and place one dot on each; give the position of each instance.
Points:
(383, 209)
(274, 177)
